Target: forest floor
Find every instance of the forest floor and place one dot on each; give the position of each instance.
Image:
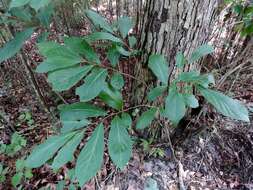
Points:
(220, 156)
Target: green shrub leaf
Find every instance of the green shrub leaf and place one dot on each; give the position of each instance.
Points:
(132, 41)
(117, 81)
(91, 157)
(201, 52)
(102, 36)
(98, 20)
(158, 65)
(65, 154)
(113, 55)
(18, 3)
(94, 84)
(146, 118)
(191, 100)
(13, 46)
(180, 60)
(66, 78)
(120, 144)
(46, 150)
(37, 4)
(126, 119)
(125, 24)
(156, 92)
(112, 97)
(226, 105)
(174, 107)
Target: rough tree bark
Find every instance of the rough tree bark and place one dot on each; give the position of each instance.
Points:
(170, 26)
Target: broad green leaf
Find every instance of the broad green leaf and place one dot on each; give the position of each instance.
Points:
(58, 57)
(20, 165)
(158, 65)
(65, 154)
(126, 120)
(120, 144)
(122, 51)
(113, 55)
(112, 97)
(66, 78)
(174, 107)
(117, 81)
(201, 52)
(91, 157)
(191, 100)
(22, 13)
(46, 150)
(102, 36)
(132, 41)
(94, 84)
(80, 46)
(45, 14)
(180, 60)
(98, 20)
(16, 179)
(146, 118)
(13, 46)
(70, 125)
(18, 3)
(125, 24)
(37, 4)
(156, 92)
(226, 105)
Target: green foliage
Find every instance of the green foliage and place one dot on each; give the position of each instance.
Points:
(3, 172)
(201, 52)
(146, 118)
(124, 25)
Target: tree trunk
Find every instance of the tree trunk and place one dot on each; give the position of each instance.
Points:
(170, 26)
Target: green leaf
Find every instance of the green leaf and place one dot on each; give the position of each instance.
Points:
(122, 51)
(45, 14)
(146, 119)
(132, 41)
(66, 78)
(98, 20)
(66, 153)
(20, 164)
(94, 84)
(112, 97)
(126, 120)
(45, 151)
(13, 46)
(16, 179)
(102, 36)
(91, 157)
(117, 81)
(156, 92)
(157, 64)
(37, 4)
(191, 100)
(18, 3)
(28, 173)
(201, 52)
(174, 107)
(180, 60)
(113, 55)
(58, 57)
(80, 46)
(120, 144)
(226, 105)
(70, 125)
(125, 24)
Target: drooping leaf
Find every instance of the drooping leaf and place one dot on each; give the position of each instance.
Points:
(18, 3)
(146, 118)
(226, 105)
(21, 13)
(91, 157)
(125, 24)
(180, 60)
(156, 92)
(46, 150)
(65, 154)
(191, 100)
(71, 125)
(112, 97)
(13, 46)
(16, 179)
(158, 65)
(102, 36)
(117, 81)
(66, 78)
(113, 55)
(94, 84)
(98, 20)
(122, 51)
(83, 48)
(200, 52)
(132, 41)
(174, 107)
(45, 14)
(120, 144)
(37, 4)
